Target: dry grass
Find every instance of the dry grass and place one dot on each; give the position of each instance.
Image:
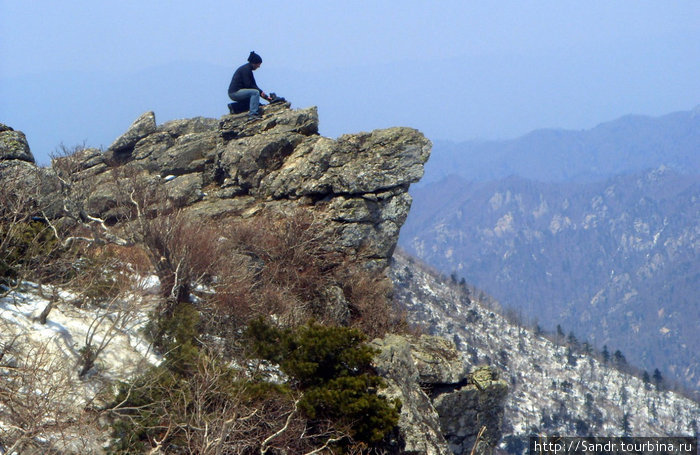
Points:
(285, 266)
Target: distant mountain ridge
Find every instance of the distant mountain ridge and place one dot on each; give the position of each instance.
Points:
(616, 262)
(631, 143)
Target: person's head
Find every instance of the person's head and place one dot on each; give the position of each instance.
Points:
(255, 60)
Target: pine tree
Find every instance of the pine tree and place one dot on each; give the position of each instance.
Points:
(587, 348)
(658, 379)
(560, 332)
(626, 427)
(619, 358)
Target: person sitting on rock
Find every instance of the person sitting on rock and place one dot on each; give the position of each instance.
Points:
(243, 88)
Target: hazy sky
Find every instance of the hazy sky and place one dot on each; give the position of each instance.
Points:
(74, 71)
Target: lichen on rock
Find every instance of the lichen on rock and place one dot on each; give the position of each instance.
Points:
(233, 167)
(13, 145)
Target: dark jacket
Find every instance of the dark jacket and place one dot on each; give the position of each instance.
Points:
(243, 78)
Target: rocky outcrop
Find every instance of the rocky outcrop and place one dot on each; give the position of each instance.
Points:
(13, 145)
(465, 411)
(444, 406)
(28, 185)
(234, 167)
(142, 127)
(419, 423)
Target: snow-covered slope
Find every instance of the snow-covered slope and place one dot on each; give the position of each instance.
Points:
(554, 389)
(68, 327)
(43, 395)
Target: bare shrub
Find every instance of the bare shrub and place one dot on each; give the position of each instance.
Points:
(40, 408)
(67, 160)
(107, 322)
(371, 306)
(287, 265)
(208, 408)
(30, 246)
(183, 253)
(141, 218)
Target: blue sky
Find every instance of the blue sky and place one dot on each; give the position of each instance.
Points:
(79, 71)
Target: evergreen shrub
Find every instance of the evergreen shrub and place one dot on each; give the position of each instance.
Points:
(331, 366)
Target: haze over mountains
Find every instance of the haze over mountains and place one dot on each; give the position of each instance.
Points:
(630, 144)
(597, 231)
(500, 95)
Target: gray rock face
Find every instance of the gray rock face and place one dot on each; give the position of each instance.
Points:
(187, 155)
(38, 188)
(354, 165)
(247, 161)
(444, 407)
(177, 128)
(237, 167)
(419, 422)
(438, 361)
(234, 167)
(13, 145)
(476, 405)
(142, 127)
(33, 187)
(277, 118)
(185, 189)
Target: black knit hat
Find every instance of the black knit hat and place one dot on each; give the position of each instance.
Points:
(254, 58)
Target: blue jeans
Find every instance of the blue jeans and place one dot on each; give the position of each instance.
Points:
(248, 94)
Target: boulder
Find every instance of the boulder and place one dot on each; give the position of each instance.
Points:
(100, 198)
(124, 145)
(277, 118)
(149, 149)
(246, 161)
(444, 405)
(81, 164)
(185, 189)
(13, 145)
(465, 411)
(419, 422)
(438, 361)
(88, 158)
(188, 154)
(177, 128)
(354, 164)
(36, 188)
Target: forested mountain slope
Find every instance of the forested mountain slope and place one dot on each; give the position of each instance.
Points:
(617, 262)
